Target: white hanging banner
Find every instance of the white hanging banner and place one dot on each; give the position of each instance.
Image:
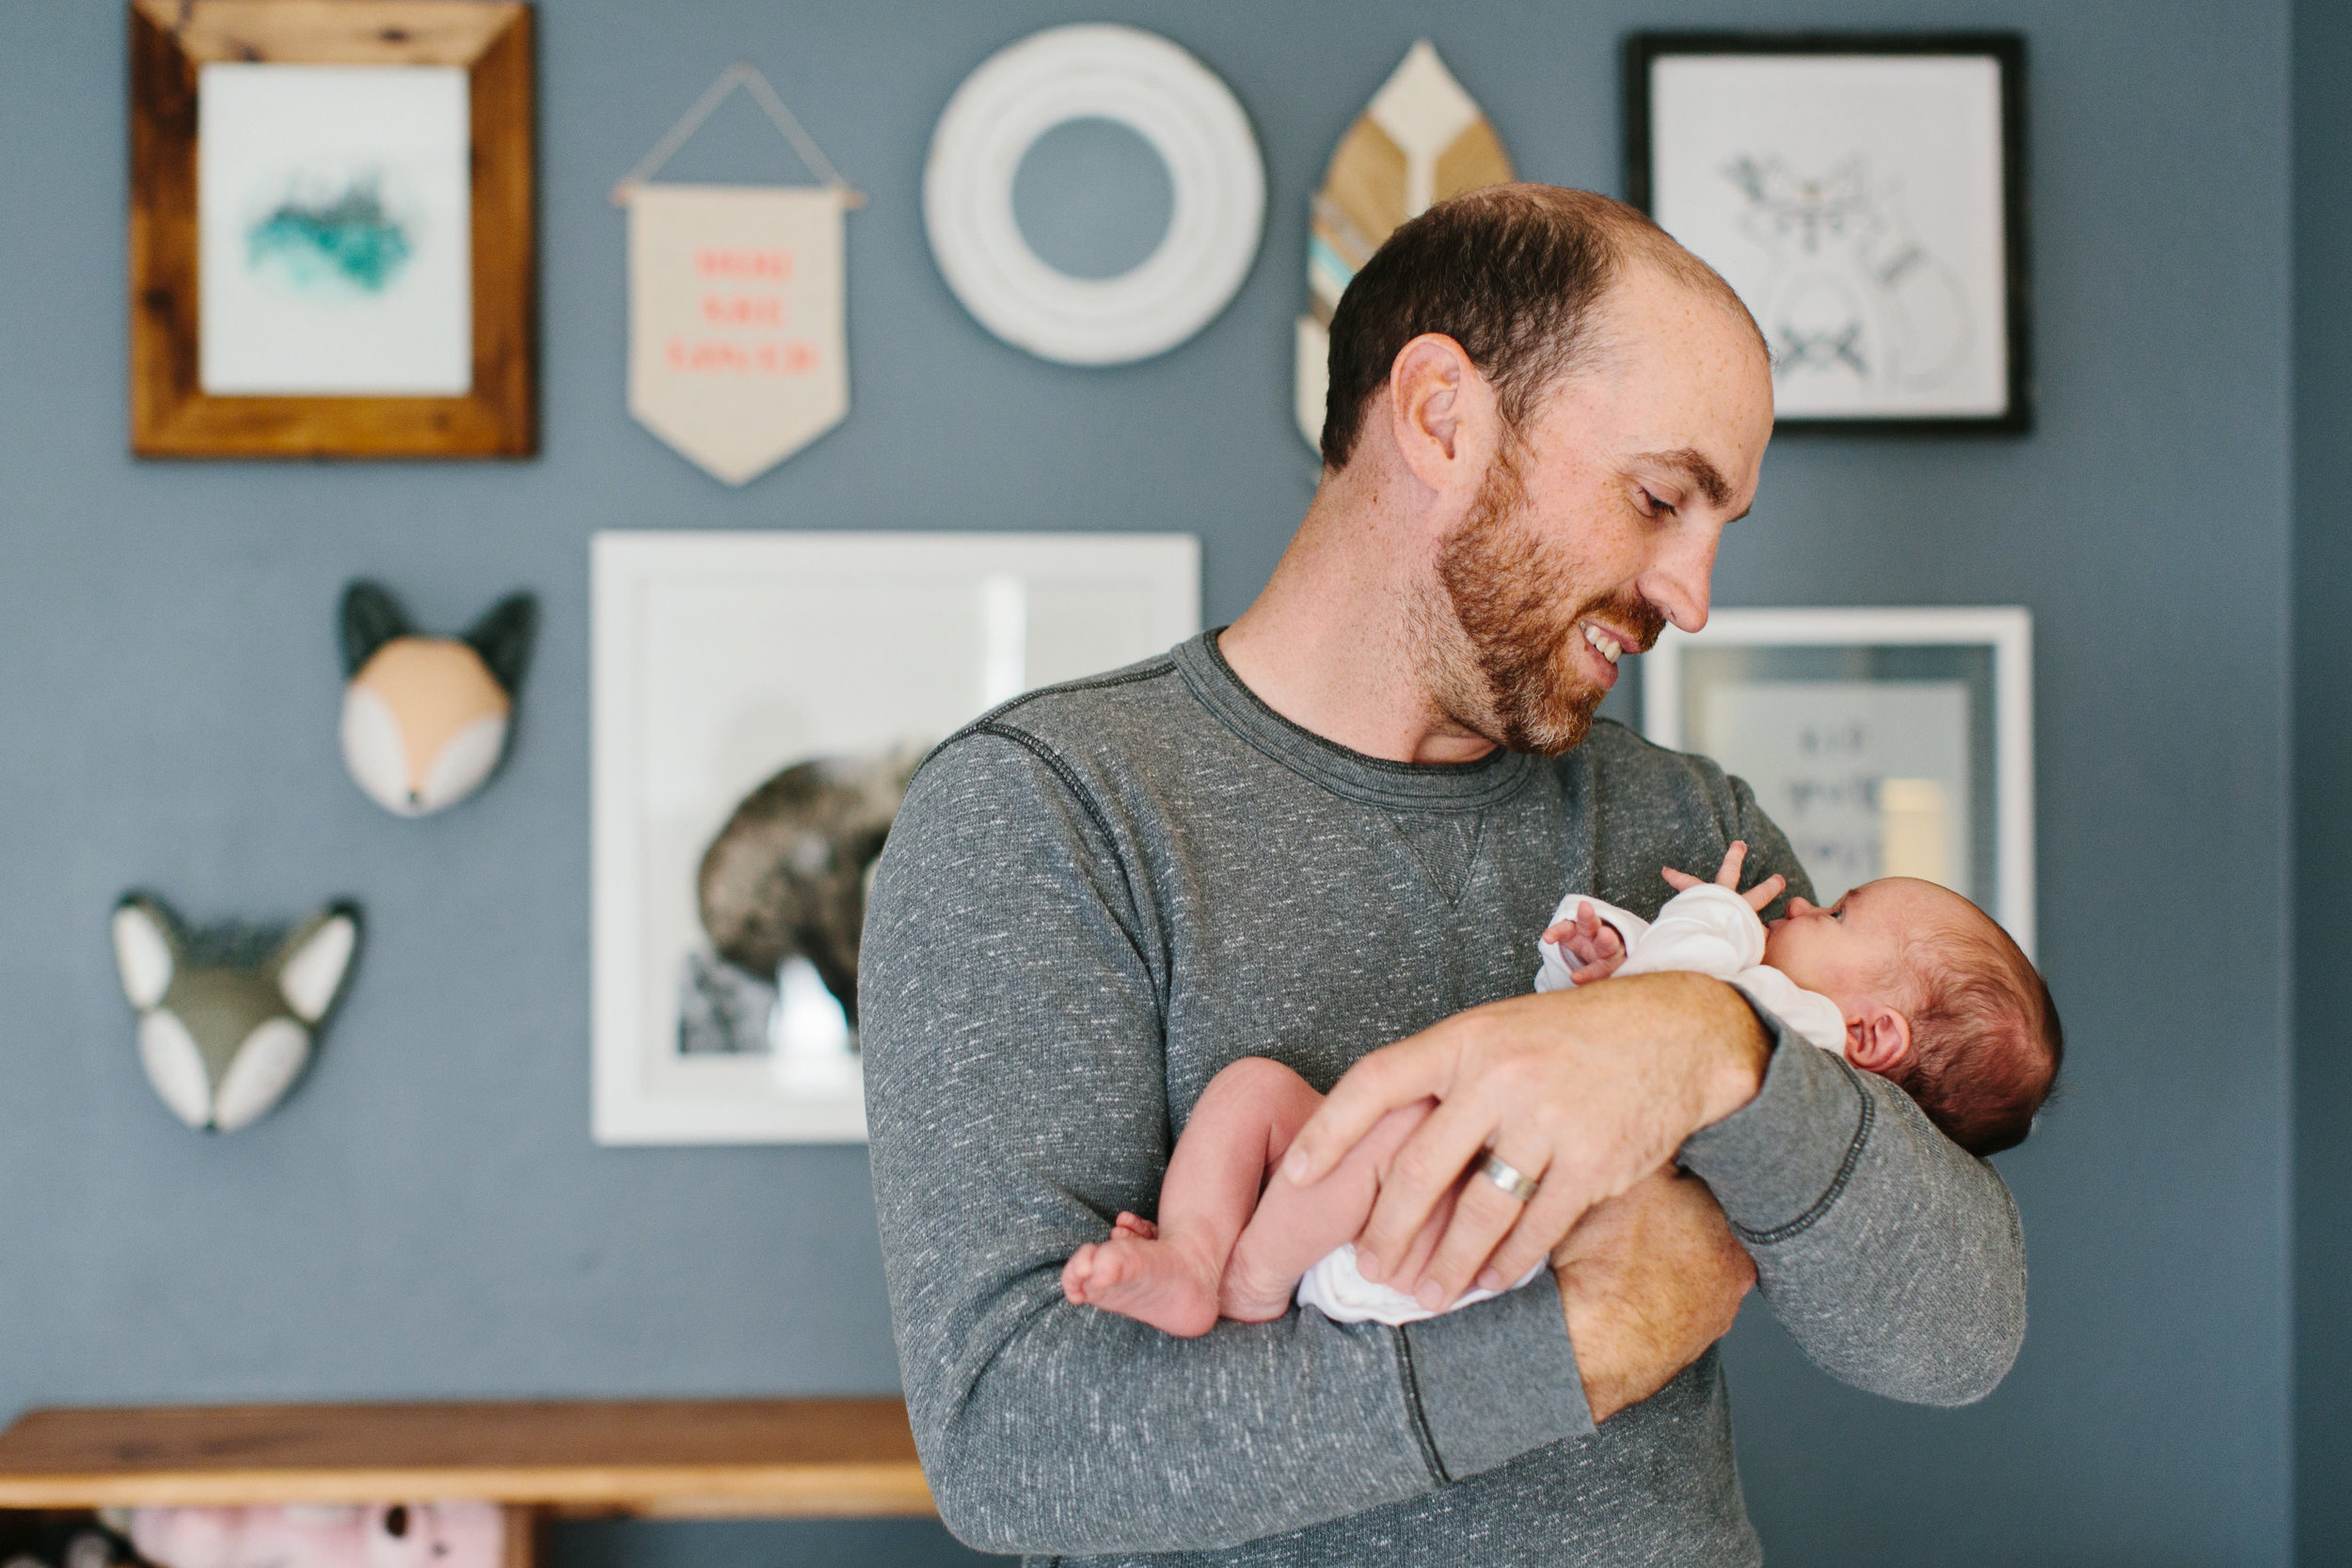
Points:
(738, 354)
(738, 348)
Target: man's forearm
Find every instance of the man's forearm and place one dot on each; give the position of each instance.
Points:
(1647, 1281)
(1891, 1254)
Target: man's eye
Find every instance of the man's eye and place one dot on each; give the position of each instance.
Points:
(1652, 504)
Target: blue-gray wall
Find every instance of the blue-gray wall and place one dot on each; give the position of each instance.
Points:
(428, 1217)
(2323, 764)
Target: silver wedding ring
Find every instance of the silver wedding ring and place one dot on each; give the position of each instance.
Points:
(1515, 1184)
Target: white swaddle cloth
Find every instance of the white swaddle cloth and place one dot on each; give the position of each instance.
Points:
(1335, 1289)
(1707, 930)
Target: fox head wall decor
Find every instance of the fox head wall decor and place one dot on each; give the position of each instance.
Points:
(228, 1017)
(425, 719)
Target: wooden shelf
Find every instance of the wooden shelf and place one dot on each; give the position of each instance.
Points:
(678, 1459)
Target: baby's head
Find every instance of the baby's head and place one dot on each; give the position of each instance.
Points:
(1937, 1000)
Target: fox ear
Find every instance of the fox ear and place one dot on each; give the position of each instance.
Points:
(314, 961)
(371, 617)
(502, 637)
(147, 948)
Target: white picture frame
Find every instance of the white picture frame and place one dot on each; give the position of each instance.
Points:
(1816, 706)
(1865, 194)
(720, 659)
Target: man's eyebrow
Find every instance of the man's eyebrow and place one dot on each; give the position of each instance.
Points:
(1693, 465)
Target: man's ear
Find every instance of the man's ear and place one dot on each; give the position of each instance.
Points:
(1879, 1040)
(1442, 414)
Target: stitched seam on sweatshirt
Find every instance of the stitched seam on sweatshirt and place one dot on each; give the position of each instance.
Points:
(1421, 1418)
(1070, 780)
(981, 725)
(1822, 1206)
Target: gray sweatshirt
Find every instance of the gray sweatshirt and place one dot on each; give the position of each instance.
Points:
(1100, 895)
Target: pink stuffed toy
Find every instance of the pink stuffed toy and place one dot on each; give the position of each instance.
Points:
(299, 1535)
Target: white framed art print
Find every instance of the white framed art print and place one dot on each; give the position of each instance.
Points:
(1884, 742)
(761, 700)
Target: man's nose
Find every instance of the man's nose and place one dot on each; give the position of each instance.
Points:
(1680, 576)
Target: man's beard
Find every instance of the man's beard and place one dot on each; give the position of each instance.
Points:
(1520, 612)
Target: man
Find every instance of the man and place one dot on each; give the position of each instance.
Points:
(1341, 824)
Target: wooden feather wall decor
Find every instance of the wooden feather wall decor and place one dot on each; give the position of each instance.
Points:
(1420, 141)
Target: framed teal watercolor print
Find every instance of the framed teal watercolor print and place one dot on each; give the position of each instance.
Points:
(331, 229)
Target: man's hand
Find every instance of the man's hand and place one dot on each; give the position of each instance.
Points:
(1727, 875)
(1585, 1091)
(1649, 1279)
(1595, 945)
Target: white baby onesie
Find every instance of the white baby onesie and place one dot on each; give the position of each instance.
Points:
(1708, 929)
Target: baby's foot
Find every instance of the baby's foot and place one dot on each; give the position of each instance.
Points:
(1247, 1298)
(1137, 1276)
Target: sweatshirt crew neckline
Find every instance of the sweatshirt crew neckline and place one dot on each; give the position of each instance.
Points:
(1452, 786)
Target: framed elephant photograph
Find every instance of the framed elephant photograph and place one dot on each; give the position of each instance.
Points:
(761, 701)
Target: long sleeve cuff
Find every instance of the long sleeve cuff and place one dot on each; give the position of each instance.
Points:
(1780, 1161)
(1495, 1381)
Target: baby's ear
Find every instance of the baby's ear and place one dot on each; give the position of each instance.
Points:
(1879, 1040)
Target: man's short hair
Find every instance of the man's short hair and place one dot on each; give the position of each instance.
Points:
(1512, 273)
(1986, 1044)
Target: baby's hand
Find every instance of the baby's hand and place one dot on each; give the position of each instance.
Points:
(1729, 875)
(1593, 944)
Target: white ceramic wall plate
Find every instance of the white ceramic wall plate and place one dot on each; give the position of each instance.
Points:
(1156, 89)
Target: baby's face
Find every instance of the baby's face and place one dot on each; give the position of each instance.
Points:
(1852, 952)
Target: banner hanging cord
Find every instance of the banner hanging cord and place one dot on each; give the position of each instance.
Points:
(742, 73)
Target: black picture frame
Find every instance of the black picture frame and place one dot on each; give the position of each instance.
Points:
(1643, 51)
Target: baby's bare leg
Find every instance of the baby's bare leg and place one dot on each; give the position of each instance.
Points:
(1244, 1122)
(1294, 1226)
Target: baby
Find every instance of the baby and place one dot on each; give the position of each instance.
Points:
(1902, 977)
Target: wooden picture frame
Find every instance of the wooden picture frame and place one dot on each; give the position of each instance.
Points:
(171, 413)
(1920, 169)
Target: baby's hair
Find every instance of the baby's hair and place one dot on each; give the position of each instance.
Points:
(1985, 1040)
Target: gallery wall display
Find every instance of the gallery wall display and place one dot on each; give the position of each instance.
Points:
(426, 719)
(331, 250)
(737, 342)
(761, 702)
(1884, 742)
(1865, 195)
(1177, 104)
(228, 1015)
(1420, 141)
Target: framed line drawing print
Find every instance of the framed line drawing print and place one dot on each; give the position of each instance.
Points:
(1866, 196)
(761, 700)
(1884, 742)
(331, 229)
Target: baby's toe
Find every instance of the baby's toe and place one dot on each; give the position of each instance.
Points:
(1075, 1272)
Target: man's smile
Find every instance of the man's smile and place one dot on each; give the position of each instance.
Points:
(1606, 646)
